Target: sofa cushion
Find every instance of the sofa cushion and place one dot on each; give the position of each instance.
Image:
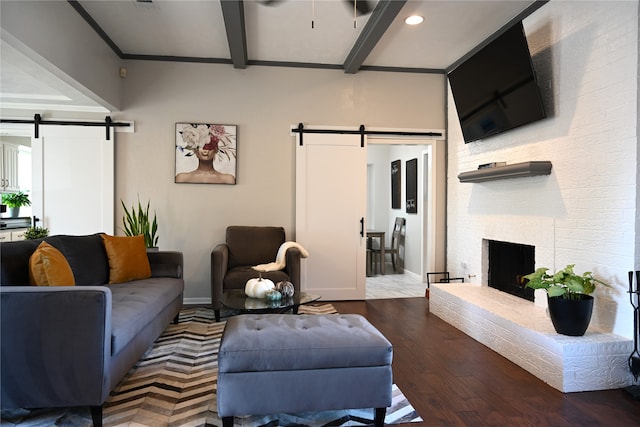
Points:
(127, 258)
(14, 262)
(86, 256)
(48, 267)
(136, 304)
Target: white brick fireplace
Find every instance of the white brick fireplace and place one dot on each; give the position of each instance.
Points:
(523, 333)
(584, 213)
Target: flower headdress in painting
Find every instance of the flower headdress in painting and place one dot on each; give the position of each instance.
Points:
(207, 137)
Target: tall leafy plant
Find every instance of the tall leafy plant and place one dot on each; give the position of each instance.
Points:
(136, 221)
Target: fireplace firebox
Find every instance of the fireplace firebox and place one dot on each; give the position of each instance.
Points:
(508, 262)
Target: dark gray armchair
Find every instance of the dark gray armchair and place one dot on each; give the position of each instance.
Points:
(244, 247)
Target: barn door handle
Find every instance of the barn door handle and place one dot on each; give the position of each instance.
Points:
(362, 227)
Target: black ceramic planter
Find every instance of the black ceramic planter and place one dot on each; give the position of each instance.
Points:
(571, 317)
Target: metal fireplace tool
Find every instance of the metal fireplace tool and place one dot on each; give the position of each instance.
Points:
(634, 358)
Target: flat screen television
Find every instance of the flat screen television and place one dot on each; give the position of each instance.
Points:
(495, 89)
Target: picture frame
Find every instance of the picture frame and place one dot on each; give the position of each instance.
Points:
(396, 196)
(205, 153)
(412, 186)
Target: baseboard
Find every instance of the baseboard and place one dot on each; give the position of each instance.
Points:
(196, 301)
(207, 300)
(413, 275)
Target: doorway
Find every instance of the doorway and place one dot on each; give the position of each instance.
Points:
(347, 152)
(424, 231)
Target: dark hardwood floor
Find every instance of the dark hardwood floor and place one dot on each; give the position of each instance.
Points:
(452, 380)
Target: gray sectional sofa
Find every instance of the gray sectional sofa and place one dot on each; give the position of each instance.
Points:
(64, 346)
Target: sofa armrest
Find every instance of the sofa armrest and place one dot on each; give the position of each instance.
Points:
(219, 266)
(166, 264)
(55, 346)
(292, 259)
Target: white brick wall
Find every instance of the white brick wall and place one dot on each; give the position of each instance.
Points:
(586, 57)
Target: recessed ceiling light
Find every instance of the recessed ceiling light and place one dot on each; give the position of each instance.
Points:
(414, 20)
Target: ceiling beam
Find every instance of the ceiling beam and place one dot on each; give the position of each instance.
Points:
(381, 17)
(233, 13)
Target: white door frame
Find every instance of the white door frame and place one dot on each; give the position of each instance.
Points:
(428, 248)
(430, 195)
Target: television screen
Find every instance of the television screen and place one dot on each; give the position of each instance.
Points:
(495, 89)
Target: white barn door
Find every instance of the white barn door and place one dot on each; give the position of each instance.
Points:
(73, 179)
(331, 186)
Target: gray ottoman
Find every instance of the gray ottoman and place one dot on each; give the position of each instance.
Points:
(273, 363)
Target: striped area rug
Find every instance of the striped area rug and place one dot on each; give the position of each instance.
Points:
(174, 384)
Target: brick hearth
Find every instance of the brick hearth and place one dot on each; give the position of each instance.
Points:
(522, 332)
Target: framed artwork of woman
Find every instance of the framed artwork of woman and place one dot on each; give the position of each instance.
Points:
(205, 153)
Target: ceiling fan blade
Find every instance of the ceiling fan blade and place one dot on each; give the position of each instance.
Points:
(363, 7)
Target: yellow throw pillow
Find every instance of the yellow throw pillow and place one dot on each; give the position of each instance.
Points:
(48, 267)
(127, 258)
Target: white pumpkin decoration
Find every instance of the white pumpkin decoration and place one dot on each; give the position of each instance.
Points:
(258, 287)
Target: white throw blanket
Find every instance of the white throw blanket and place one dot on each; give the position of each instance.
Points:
(280, 262)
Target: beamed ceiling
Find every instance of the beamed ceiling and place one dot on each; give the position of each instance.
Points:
(292, 33)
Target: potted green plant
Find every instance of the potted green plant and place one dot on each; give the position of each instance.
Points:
(137, 221)
(15, 201)
(36, 233)
(569, 297)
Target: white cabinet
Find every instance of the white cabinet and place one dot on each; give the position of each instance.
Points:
(9, 171)
(5, 236)
(18, 234)
(12, 235)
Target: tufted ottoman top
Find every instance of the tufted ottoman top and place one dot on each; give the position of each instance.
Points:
(285, 342)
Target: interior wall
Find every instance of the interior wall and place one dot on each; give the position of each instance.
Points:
(585, 212)
(263, 102)
(55, 36)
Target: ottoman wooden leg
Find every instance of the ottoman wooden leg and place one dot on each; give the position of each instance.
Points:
(378, 421)
(227, 421)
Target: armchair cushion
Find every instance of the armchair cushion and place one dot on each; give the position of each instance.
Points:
(253, 245)
(237, 277)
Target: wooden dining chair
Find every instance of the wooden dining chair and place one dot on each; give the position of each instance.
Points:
(392, 250)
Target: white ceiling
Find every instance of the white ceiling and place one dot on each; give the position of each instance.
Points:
(280, 31)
